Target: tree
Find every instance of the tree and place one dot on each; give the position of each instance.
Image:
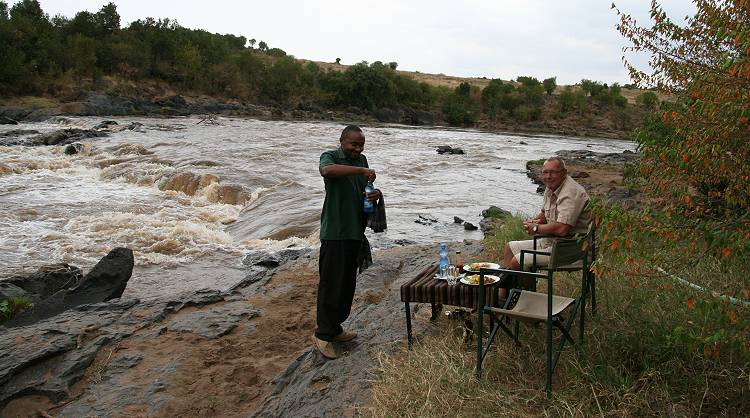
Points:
(338, 61)
(4, 16)
(648, 99)
(262, 46)
(549, 85)
(393, 65)
(702, 158)
(252, 43)
(108, 19)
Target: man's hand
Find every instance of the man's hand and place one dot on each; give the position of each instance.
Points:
(369, 173)
(528, 226)
(373, 196)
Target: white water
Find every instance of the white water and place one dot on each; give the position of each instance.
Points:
(75, 209)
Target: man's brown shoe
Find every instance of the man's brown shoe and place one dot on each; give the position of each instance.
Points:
(345, 336)
(326, 348)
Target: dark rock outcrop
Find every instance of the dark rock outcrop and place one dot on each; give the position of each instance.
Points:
(214, 322)
(447, 149)
(48, 357)
(107, 280)
(470, 226)
(46, 281)
(493, 212)
(74, 148)
(274, 259)
(63, 137)
(405, 115)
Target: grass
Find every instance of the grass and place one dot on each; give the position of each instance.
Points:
(655, 348)
(12, 307)
(34, 102)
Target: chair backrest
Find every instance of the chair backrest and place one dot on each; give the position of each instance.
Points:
(566, 251)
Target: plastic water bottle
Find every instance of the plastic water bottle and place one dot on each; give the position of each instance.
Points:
(369, 206)
(443, 258)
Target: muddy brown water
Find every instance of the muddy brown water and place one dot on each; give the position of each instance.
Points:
(191, 199)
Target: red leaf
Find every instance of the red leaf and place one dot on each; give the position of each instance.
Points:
(727, 252)
(691, 303)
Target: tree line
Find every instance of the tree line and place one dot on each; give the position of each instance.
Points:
(45, 55)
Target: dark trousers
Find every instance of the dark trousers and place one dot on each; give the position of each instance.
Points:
(338, 279)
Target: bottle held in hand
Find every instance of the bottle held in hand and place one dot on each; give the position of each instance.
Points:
(369, 206)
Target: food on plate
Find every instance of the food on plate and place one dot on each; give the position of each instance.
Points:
(477, 266)
(474, 279)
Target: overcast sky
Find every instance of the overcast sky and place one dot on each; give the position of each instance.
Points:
(570, 39)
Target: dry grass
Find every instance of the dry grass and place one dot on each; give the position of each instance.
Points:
(635, 360)
(32, 102)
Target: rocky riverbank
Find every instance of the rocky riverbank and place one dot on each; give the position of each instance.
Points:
(156, 102)
(602, 174)
(240, 353)
(237, 353)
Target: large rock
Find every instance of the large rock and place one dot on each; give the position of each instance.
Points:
(48, 280)
(107, 280)
(493, 212)
(64, 137)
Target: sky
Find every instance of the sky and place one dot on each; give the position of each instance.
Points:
(567, 39)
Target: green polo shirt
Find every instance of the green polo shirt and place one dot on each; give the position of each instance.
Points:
(343, 215)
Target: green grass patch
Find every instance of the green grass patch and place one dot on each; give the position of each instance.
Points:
(12, 307)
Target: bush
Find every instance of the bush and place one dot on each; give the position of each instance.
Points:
(648, 99)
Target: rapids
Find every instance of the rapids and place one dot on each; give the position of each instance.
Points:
(191, 199)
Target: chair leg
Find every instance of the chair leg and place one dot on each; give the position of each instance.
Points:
(548, 383)
(592, 281)
(407, 309)
(582, 302)
(478, 332)
(436, 307)
(491, 338)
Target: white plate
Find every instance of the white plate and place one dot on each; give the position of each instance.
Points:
(437, 277)
(494, 279)
(491, 266)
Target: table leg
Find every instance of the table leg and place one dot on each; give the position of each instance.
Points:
(408, 323)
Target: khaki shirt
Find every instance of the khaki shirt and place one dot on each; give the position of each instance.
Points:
(569, 205)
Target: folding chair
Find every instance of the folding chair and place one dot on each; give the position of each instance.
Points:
(572, 249)
(534, 307)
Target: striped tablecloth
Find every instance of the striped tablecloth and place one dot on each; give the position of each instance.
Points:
(425, 288)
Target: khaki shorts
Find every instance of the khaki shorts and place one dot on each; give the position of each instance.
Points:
(528, 259)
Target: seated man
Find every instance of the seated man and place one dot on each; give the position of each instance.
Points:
(565, 212)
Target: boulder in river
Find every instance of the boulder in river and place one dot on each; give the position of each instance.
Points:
(73, 149)
(107, 280)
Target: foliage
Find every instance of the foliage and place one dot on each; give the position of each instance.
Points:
(648, 99)
(12, 307)
(571, 99)
(549, 85)
(655, 347)
(54, 56)
(700, 163)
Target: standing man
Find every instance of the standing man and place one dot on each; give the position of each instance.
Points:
(342, 228)
(565, 211)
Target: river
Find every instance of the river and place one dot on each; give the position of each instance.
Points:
(190, 199)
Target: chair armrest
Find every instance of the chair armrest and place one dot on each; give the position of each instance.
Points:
(521, 273)
(537, 252)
